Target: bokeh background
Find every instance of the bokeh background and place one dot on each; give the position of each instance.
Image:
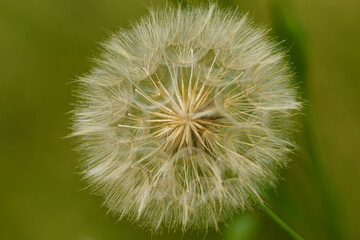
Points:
(46, 44)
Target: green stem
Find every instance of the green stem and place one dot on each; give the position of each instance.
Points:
(281, 223)
(288, 27)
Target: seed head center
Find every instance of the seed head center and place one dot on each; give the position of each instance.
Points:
(190, 130)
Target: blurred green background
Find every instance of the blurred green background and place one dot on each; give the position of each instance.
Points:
(46, 44)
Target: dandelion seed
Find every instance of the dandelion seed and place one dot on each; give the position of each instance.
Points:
(185, 119)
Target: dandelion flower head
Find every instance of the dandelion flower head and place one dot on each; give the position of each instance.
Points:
(185, 118)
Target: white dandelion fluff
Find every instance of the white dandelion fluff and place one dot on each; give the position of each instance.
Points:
(185, 118)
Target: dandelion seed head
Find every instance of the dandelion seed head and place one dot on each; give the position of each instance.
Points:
(185, 118)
